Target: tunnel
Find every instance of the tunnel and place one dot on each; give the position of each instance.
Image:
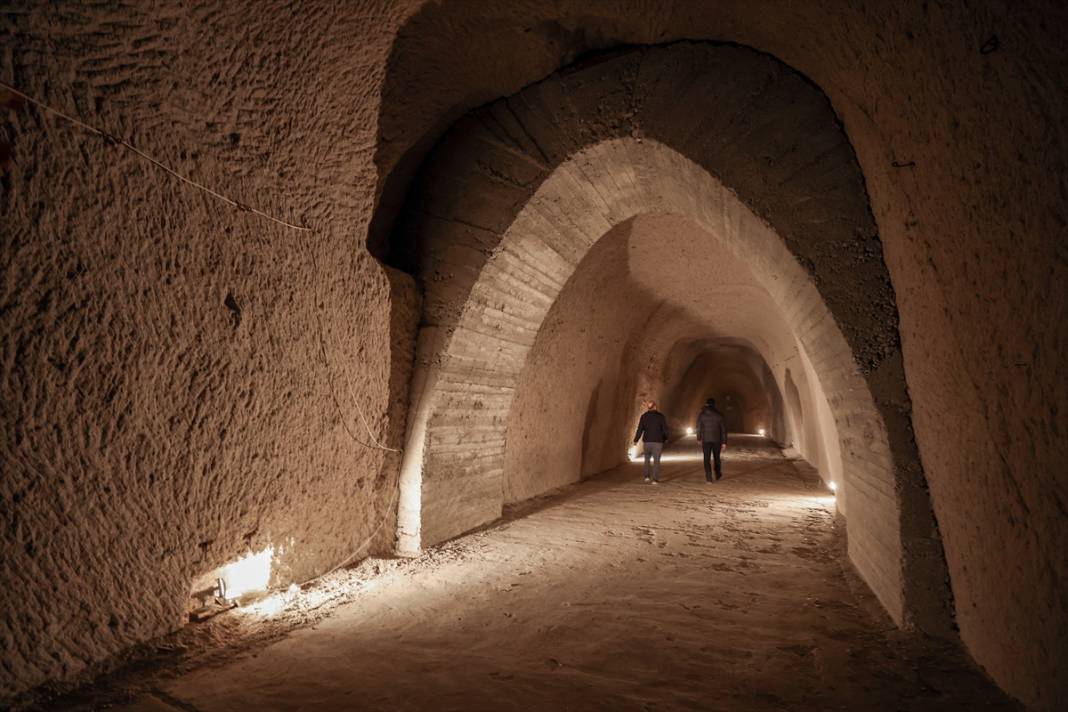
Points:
(497, 228)
(328, 327)
(737, 378)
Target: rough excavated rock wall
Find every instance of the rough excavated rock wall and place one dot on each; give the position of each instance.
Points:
(822, 444)
(955, 111)
(179, 378)
(578, 388)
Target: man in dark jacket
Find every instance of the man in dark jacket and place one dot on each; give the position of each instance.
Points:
(653, 426)
(712, 434)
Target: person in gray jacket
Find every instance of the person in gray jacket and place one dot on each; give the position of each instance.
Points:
(712, 434)
(653, 429)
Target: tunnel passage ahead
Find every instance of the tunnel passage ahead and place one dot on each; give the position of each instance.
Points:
(516, 196)
(615, 596)
(657, 309)
(742, 384)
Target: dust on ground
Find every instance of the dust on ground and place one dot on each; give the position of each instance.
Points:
(610, 594)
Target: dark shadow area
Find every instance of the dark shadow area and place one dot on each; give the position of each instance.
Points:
(737, 378)
(407, 134)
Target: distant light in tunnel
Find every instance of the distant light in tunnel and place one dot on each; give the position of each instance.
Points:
(252, 573)
(689, 431)
(632, 453)
(761, 432)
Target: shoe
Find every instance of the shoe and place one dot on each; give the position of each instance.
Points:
(656, 482)
(646, 479)
(708, 482)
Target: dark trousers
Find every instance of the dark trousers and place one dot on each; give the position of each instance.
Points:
(712, 449)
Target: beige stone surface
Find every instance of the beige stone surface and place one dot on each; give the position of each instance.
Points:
(953, 111)
(150, 435)
(151, 431)
(656, 309)
(610, 595)
(510, 203)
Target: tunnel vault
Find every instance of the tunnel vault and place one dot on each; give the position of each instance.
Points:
(517, 192)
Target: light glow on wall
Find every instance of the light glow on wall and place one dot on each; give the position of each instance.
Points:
(276, 603)
(252, 573)
(833, 485)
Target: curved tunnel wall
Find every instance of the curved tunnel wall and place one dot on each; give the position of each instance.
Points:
(959, 148)
(617, 335)
(517, 194)
(576, 393)
(647, 307)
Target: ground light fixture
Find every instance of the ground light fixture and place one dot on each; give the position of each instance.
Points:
(211, 602)
(761, 432)
(248, 574)
(689, 431)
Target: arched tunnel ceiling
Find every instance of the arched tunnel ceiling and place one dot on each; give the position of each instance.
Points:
(732, 374)
(961, 146)
(738, 104)
(490, 179)
(955, 142)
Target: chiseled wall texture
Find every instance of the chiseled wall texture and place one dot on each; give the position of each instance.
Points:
(180, 379)
(151, 432)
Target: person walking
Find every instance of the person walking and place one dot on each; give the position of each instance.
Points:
(712, 434)
(653, 430)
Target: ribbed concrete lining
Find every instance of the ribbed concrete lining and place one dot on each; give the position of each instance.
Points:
(514, 196)
(461, 472)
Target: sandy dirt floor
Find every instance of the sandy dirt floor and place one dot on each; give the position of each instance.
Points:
(609, 595)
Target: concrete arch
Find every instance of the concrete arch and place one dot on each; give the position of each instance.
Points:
(796, 410)
(516, 194)
(471, 364)
(958, 149)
